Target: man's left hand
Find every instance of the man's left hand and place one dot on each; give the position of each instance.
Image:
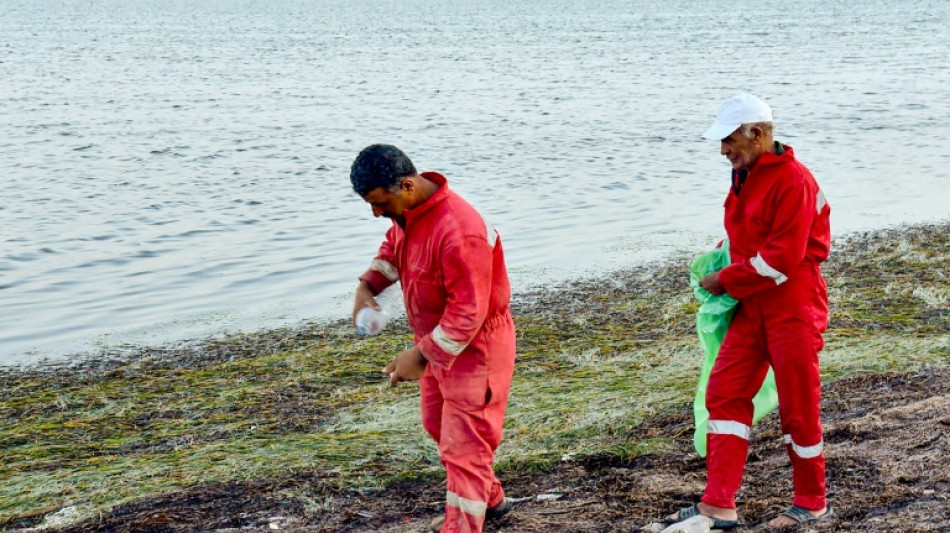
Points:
(407, 366)
(711, 283)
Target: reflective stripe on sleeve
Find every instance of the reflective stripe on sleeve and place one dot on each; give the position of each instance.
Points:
(385, 268)
(820, 201)
(763, 269)
(805, 452)
(729, 427)
(490, 233)
(470, 507)
(444, 342)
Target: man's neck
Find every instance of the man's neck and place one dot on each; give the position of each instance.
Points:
(422, 190)
(426, 190)
(767, 146)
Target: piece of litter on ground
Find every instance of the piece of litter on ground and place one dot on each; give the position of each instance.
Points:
(61, 518)
(696, 524)
(546, 497)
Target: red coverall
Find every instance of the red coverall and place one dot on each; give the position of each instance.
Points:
(779, 233)
(450, 263)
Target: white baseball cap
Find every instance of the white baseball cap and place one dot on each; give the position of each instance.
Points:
(736, 111)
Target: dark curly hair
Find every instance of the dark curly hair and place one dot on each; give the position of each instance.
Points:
(379, 165)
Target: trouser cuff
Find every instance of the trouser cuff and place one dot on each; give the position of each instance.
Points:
(724, 503)
(812, 503)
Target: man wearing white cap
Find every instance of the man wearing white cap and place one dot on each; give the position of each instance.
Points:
(777, 220)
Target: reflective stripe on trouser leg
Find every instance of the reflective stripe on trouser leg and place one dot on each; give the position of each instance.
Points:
(469, 440)
(736, 377)
(799, 392)
(465, 419)
(808, 480)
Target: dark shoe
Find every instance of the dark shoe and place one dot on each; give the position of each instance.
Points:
(497, 512)
(492, 514)
(801, 515)
(689, 512)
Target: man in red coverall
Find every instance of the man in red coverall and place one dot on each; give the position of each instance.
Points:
(450, 263)
(777, 220)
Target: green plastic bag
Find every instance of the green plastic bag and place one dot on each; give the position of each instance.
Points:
(712, 321)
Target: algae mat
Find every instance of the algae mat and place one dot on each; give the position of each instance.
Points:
(295, 430)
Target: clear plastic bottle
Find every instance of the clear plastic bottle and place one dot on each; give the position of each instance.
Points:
(369, 321)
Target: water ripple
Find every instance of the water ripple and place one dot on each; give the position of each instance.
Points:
(181, 169)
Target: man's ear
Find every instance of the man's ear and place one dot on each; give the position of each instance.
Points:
(757, 132)
(408, 185)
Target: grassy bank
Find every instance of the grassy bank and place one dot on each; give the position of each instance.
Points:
(597, 359)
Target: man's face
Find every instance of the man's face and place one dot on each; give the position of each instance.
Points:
(740, 150)
(389, 204)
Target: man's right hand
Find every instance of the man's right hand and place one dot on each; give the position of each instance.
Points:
(364, 298)
(711, 283)
(407, 366)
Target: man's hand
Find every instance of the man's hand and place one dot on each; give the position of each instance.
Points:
(711, 284)
(363, 298)
(407, 366)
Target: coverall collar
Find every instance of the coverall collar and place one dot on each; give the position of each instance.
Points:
(782, 152)
(440, 194)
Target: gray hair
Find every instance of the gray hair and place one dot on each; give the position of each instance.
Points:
(746, 129)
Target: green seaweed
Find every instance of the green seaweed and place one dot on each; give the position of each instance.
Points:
(597, 358)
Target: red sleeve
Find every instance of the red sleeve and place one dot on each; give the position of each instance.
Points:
(382, 271)
(467, 275)
(783, 249)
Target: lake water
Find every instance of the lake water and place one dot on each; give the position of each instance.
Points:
(175, 169)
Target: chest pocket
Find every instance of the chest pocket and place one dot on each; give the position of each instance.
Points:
(756, 221)
(426, 298)
(759, 228)
(424, 284)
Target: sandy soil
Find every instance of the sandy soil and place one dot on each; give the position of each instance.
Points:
(887, 446)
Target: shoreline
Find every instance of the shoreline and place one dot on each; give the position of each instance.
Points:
(119, 438)
(218, 347)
